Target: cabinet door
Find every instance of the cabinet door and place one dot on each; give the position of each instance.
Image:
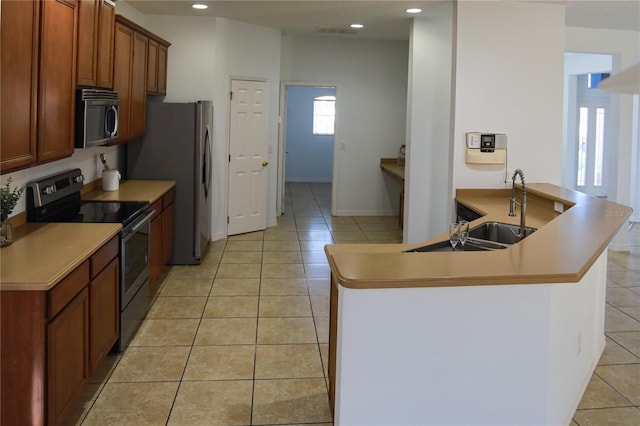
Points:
(167, 234)
(19, 27)
(67, 356)
(104, 313)
(88, 15)
(162, 69)
(152, 67)
(56, 101)
(122, 62)
(105, 44)
(156, 259)
(139, 85)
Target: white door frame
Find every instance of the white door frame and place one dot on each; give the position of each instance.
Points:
(282, 137)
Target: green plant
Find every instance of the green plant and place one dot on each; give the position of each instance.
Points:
(9, 198)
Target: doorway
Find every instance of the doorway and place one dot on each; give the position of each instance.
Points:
(307, 136)
(590, 143)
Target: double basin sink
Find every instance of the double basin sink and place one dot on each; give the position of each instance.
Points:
(484, 237)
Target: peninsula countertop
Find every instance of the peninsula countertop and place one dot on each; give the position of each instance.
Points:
(561, 250)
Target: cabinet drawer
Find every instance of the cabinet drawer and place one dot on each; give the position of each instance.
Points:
(67, 289)
(168, 198)
(157, 207)
(103, 256)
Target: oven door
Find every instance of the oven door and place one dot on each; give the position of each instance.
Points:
(135, 258)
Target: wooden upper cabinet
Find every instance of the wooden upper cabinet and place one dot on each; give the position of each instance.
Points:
(157, 67)
(105, 44)
(162, 69)
(152, 67)
(20, 31)
(95, 43)
(139, 85)
(88, 15)
(56, 101)
(122, 60)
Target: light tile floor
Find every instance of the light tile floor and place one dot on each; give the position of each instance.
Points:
(242, 339)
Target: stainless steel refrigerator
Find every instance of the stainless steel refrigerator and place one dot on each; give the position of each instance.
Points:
(177, 146)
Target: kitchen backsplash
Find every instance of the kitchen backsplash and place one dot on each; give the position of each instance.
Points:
(86, 160)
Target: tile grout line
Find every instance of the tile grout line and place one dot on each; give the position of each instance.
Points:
(195, 335)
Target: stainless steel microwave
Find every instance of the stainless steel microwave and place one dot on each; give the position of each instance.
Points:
(96, 117)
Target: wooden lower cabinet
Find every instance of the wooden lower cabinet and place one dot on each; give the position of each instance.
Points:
(52, 341)
(155, 251)
(161, 238)
(67, 356)
(167, 233)
(104, 315)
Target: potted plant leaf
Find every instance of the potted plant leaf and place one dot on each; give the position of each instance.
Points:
(8, 200)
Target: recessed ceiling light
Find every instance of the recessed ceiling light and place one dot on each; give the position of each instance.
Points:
(413, 10)
(357, 26)
(199, 6)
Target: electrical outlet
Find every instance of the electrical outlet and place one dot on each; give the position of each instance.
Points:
(558, 207)
(343, 145)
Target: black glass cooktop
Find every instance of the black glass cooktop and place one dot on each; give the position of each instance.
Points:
(109, 212)
(73, 209)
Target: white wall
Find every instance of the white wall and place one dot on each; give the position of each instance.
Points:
(509, 78)
(130, 12)
(371, 81)
(429, 121)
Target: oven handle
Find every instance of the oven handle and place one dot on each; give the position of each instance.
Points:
(141, 222)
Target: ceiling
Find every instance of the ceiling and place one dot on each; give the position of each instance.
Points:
(382, 19)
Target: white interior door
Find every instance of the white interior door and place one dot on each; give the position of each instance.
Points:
(248, 157)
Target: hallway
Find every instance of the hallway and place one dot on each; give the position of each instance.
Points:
(242, 339)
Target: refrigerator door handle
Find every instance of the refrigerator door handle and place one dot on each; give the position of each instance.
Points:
(206, 163)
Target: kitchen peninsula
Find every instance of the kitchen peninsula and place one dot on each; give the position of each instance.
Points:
(507, 336)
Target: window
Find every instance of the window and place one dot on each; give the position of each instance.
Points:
(324, 115)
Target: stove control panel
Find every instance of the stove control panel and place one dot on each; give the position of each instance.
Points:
(54, 187)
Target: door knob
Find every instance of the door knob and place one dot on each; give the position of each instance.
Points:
(265, 163)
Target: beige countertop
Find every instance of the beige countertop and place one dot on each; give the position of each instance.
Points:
(390, 165)
(562, 249)
(42, 254)
(133, 190)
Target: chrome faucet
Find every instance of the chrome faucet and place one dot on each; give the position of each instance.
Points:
(522, 203)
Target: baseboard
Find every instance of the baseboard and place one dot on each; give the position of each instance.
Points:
(364, 213)
(218, 236)
(619, 247)
(308, 180)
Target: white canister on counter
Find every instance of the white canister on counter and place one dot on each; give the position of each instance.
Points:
(110, 180)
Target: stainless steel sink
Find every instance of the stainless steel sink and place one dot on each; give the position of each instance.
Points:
(471, 245)
(485, 237)
(498, 232)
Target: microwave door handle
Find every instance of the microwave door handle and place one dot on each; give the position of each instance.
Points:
(115, 122)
